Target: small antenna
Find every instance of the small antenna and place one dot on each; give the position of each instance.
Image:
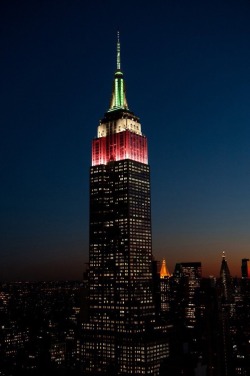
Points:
(118, 58)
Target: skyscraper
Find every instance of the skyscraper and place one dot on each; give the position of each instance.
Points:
(120, 334)
(226, 311)
(245, 268)
(225, 280)
(188, 275)
(164, 287)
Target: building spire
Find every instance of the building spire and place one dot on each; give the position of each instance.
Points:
(164, 270)
(118, 58)
(118, 98)
(225, 278)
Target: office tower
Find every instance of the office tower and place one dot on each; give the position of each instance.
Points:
(188, 269)
(245, 268)
(187, 352)
(226, 312)
(121, 336)
(164, 287)
(188, 276)
(225, 280)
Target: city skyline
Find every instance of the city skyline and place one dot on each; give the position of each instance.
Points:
(187, 77)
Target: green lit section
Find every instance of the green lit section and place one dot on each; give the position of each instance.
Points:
(119, 93)
(118, 99)
(122, 93)
(117, 104)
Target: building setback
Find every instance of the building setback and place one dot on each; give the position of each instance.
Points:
(121, 335)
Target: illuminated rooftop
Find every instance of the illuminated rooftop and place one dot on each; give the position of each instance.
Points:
(164, 270)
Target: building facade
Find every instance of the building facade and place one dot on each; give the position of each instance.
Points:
(121, 335)
(188, 277)
(245, 268)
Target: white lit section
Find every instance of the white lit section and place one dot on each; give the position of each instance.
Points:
(128, 124)
(118, 126)
(101, 130)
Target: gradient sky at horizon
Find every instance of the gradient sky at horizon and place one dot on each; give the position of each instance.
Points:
(187, 72)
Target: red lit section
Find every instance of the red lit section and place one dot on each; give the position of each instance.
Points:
(119, 146)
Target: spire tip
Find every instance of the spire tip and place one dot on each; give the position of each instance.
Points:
(118, 60)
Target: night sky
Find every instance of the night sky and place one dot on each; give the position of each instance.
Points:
(187, 70)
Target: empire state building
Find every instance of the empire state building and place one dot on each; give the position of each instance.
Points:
(120, 335)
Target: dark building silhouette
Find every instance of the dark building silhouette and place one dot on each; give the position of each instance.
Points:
(188, 276)
(226, 309)
(162, 289)
(186, 304)
(245, 268)
(121, 335)
(225, 281)
(165, 288)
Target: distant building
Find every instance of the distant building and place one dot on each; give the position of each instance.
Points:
(188, 276)
(226, 309)
(165, 287)
(225, 280)
(245, 268)
(57, 353)
(188, 269)
(164, 270)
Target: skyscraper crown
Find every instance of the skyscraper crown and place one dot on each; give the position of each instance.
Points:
(119, 134)
(164, 270)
